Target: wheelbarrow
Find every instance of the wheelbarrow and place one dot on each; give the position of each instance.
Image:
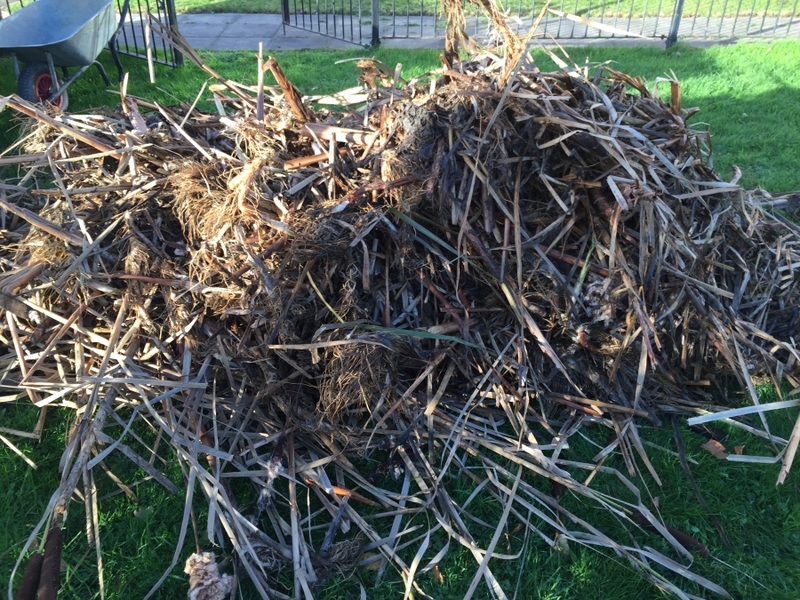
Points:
(47, 34)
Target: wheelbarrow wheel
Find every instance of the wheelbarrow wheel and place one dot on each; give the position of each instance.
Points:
(35, 84)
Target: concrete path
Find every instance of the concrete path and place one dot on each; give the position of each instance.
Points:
(245, 31)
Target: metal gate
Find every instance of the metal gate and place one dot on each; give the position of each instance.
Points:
(135, 35)
(346, 20)
(366, 22)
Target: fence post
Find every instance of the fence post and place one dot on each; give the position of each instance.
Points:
(177, 57)
(376, 34)
(675, 24)
(285, 13)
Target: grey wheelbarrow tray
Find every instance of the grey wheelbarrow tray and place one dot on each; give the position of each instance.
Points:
(63, 33)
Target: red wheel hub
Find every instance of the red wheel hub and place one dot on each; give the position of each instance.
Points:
(44, 85)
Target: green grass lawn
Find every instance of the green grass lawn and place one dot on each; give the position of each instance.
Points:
(761, 521)
(748, 99)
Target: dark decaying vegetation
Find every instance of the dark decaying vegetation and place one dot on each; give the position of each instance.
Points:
(329, 314)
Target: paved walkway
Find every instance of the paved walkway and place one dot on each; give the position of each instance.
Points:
(245, 31)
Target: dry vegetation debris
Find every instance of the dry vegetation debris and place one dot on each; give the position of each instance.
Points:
(331, 314)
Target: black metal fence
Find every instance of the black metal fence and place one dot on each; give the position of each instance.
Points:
(136, 33)
(366, 22)
(347, 20)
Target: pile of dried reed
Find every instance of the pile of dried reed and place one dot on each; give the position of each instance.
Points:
(331, 315)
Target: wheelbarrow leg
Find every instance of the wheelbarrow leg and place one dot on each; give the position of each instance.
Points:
(102, 73)
(112, 46)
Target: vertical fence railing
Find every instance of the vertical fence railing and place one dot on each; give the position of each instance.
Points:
(665, 20)
(9, 6)
(726, 19)
(342, 19)
(132, 36)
